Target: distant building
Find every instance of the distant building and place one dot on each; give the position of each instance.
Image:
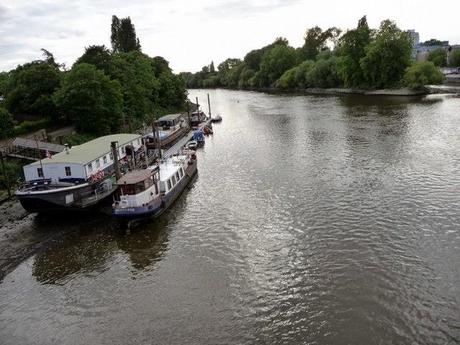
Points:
(414, 36)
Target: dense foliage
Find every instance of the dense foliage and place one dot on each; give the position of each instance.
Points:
(7, 123)
(438, 57)
(360, 58)
(422, 73)
(454, 58)
(104, 91)
(91, 100)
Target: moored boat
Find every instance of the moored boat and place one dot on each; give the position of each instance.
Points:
(79, 177)
(169, 128)
(149, 192)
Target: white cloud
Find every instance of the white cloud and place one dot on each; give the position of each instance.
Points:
(191, 34)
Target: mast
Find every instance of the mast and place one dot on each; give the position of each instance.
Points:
(209, 107)
(116, 165)
(40, 157)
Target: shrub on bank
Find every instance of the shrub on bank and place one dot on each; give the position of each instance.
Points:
(422, 73)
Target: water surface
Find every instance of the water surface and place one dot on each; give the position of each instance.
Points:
(314, 220)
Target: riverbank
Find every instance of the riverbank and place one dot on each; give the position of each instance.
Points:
(404, 92)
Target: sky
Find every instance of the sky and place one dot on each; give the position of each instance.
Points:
(191, 34)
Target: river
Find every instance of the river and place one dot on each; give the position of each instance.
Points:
(313, 220)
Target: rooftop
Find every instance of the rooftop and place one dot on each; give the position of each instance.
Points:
(89, 151)
(169, 117)
(135, 176)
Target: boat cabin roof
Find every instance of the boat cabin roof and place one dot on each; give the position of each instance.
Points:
(89, 151)
(169, 117)
(135, 176)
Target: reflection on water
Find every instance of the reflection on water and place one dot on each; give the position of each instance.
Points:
(314, 220)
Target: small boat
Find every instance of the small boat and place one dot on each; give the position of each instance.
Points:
(192, 145)
(218, 118)
(198, 136)
(149, 192)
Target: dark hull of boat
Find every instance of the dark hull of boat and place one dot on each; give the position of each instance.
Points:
(71, 199)
(170, 139)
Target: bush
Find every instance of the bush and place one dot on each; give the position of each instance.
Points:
(30, 126)
(6, 123)
(454, 58)
(421, 74)
(324, 74)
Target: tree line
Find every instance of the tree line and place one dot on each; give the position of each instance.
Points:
(104, 91)
(361, 58)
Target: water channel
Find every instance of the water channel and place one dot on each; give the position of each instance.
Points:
(313, 220)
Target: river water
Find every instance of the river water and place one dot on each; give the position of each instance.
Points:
(314, 220)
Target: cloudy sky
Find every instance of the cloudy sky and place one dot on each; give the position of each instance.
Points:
(189, 34)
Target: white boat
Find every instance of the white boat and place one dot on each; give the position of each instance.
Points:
(149, 192)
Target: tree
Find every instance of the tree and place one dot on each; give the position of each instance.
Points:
(29, 89)
(324, 74)
(4, 76)
(140, 87)
(160, 65)
(123, 36)
(454, 58)
(275, 62)
(352, 48)
(438, 57)
(91, 101)
(422, 73)
(387, 57)
(98, 56)
(7, 123)
(212, 68)
(315, 40)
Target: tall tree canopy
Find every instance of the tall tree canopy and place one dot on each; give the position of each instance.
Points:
(316, 39)
(123, 37)
(29, 89)
(352, 48)
(387, 57)
(438, 57)
(98, 56)
(90, 100)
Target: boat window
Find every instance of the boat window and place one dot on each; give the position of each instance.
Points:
(182, 171)
(68, 172)
(90, 167)
(98, 163)
(140, 187)
(105, 159)
(122, 150)
(111, 156)
(173, 178)
(177, 176)
(128, 189)
(40, 172)
(169, 184)
(139, 142)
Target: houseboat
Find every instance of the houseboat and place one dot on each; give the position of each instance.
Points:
(79, 177)
(169, 128)
(149, 192)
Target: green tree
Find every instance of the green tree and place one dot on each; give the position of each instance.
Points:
(98, 56)
(316, 39)
(29, 89)
(4, 76)
(438, 57)
(454, 58)
(91, 101)
(324, 74)
(422, 73)
(387, 57)
(275, 62)
(7, 123)
(123, 36)
(140, 88)
(352, 48)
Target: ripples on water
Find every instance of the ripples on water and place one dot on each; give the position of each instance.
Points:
(318, 220)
